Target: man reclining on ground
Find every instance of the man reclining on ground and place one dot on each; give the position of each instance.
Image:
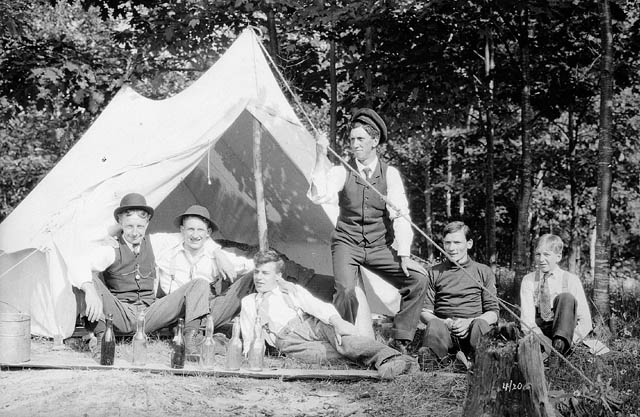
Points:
(306, 328)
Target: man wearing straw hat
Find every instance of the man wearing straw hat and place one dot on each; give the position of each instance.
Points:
(194, 255)
(368, 225)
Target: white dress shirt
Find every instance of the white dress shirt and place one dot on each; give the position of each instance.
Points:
(326, 184)
(175, 265)
(529, 290)
(276, 311)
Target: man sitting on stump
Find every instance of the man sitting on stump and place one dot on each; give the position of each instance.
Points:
(553, 303)
(460, 304)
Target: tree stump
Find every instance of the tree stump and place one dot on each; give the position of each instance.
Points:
(508, 380)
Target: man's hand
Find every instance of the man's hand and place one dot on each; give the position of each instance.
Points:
(460, 327)
(93, 310)
(342, 328)
(406, 263)
(109, 241)
(225, 266)
(322, 143)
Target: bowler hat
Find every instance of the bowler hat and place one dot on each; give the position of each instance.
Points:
(371, 118)
(133, 201)
(197, 211)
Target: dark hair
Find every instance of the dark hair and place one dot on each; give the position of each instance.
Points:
(371, 130)
(195, 216)
(456, 227)
(267, 256)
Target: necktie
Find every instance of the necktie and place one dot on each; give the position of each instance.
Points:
(136, 248)
(367, 172)
(546, 313)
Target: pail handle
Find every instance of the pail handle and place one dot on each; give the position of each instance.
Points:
(12, 306)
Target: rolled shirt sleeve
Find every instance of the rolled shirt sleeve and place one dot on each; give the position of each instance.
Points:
(312, 305)
(398, 209)
(326, 183)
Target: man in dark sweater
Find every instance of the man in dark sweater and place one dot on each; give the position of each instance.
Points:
(460, 303)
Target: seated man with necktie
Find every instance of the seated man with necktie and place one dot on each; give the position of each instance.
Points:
(306, 328)
(553, 303)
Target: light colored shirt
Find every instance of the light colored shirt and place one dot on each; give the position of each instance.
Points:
(275, 309)
(175, 265)
(529, 290)
(326, 184)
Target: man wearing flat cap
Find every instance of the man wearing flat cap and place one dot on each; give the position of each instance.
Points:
(367, 226)
(124, 280)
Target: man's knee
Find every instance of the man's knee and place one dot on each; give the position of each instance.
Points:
(199, 285)
(436, 329)
(564, 300)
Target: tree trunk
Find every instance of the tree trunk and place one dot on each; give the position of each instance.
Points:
(274, 50)
(508, 381)
(490, 208)
(368, 73)
(520, 254)
(574, 238)
(605, 159)
(530, 363)
(448, 196)
(428, 217)
(333, 82)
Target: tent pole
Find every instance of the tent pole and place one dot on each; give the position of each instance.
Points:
(257, 173)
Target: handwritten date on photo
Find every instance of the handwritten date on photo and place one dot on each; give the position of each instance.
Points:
(512, 386)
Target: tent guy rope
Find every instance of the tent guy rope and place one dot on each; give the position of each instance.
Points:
(501, 302)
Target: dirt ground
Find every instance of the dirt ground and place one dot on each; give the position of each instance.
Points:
(126, 393)
(115, 392)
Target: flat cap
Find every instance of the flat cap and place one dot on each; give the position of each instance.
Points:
(371, 118)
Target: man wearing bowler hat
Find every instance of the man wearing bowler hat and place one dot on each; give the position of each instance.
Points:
(127, 287)
(367, 227)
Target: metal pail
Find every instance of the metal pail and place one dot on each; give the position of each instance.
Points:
(15, 338)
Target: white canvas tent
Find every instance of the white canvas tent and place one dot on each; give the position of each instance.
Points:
(195, 147)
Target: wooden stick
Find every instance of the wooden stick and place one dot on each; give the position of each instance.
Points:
(261, 211)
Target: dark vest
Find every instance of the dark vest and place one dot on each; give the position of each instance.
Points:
(363, 213)
(131, 278)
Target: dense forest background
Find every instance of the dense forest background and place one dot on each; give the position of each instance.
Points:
(518, 117)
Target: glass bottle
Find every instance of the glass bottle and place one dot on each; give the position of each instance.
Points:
(234, 348)
(256, 351)
(177, 354)
(208, 351)
(108, 347)
(140, 343)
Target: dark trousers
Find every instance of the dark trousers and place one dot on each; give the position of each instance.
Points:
(564, 319)
(438, 337)
(191, 301)
(385, 262)
(310, 340)
(226, 306)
